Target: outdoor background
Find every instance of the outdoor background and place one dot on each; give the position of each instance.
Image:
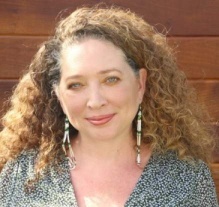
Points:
(193, 30)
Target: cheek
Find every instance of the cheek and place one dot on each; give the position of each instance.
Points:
(72, 105)
(125, 96)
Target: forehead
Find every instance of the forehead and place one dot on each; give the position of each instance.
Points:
(92, 53)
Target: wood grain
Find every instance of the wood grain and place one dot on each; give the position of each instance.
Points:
(16, 54)
(198, 57)
(6, 88)
(38, 17)
(208, 94)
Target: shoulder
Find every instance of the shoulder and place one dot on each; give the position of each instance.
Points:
(15, 173)
(22, 164)
(54, 188)
(25, 158)
(171, 161)
(170, 181)
(189, 181)
(26, 155)
(171, 166)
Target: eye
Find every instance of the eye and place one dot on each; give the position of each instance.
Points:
(112, 80)
(75, 86)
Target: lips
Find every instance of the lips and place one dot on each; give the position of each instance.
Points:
(100, 120)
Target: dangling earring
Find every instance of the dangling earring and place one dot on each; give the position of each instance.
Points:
(138, 160)
(71, 157)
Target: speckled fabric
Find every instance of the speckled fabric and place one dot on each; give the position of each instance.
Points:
(165, 182)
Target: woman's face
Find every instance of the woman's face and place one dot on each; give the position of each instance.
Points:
(98, 90)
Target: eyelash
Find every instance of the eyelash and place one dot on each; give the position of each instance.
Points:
(75, 86)
(112, 80)
(109, 80)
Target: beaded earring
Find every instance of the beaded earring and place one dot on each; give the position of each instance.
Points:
(139, 117)
(66, 141)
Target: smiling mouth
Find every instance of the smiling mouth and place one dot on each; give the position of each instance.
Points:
(100, 120)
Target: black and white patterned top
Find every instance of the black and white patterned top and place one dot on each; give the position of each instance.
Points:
(166, 181)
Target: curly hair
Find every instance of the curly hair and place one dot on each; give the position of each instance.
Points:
(172, 120)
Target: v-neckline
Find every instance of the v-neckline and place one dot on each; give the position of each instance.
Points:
(144, 172)
(71, 187)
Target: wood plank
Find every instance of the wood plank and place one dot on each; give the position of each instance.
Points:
(198, 57)
(208, 94)
(215, 175)
(16, 54)
(37, 17)
(6, 87)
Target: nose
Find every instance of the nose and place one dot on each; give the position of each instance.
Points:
(96, 98)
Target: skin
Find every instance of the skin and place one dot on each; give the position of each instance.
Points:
(100, 94)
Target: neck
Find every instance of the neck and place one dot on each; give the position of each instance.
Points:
(106, 152)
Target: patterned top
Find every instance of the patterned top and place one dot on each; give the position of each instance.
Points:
(166, 181)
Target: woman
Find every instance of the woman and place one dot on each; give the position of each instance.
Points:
(103, 117)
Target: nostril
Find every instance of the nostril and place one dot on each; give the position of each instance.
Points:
(96, 100)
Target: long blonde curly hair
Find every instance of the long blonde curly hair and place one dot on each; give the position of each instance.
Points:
(172, 120)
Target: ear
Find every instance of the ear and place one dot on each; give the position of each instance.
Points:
(142, 83)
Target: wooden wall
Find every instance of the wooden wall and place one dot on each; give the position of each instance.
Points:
(193, 26)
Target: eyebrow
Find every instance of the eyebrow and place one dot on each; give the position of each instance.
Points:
(101, 72)
(109, 70)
